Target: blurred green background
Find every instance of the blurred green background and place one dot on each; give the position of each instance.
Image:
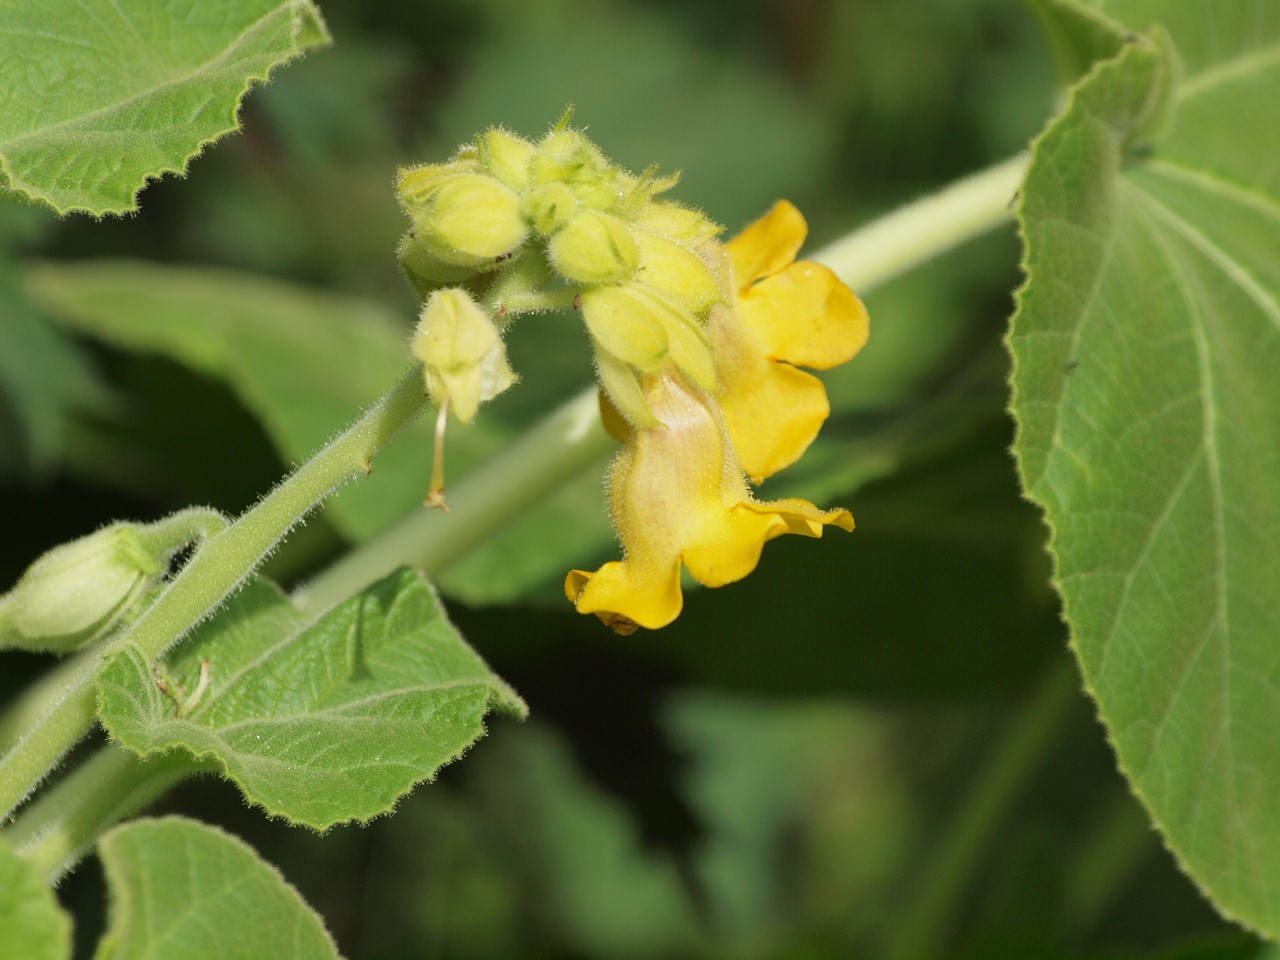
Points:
(875, 746)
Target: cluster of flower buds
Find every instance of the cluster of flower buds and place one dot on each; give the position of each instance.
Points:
(698, 346)
(509, 226)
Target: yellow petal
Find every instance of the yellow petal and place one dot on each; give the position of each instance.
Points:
(805, 315)
(803, 517)
(768, 245)
(626, 595)
(730, 544)
(773, 411)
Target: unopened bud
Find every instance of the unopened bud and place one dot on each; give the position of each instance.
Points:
(678, 272)
(628, 322)
(594, 248)
(77, 591)
(464, 358)
(424, 270)
(470, 220)
(676, 222)
(549, 207)
(415, 185)
(506, 156)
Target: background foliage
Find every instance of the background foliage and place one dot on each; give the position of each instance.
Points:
(877, 748)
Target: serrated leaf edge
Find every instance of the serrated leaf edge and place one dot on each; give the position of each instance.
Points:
(500, 697)
(304, 16)
(119, 891)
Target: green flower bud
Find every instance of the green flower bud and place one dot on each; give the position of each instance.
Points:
(77, 591)
(641, 327)
(629, 322)
(549, 207)
(424, 270)
(463, 356)
(676, 222)
(506, 156)
(594, 248)
(470, 220)
(415, 185)
(678, 272)
(568, 157)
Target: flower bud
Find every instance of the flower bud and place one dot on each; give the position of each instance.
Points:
(77, 591)
(549, 207)
(415, 185)
(424, 270)
(676, 222)
(506, 156)
(470, 220)
(628, 322)
(464, 358)
(641, 327)
(678, 272)
(594, 248)
(567, 156)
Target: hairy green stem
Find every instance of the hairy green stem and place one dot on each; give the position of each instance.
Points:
(909, 236)
(928, 915)
(559, 447)
(55, 831)
(221, 563)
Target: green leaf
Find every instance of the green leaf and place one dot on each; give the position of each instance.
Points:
(43, 378)
(32, 925)
(184, 890)
(1079, 37)
(319, 723)
(304, 361)
(1146, 342)
(100, 99)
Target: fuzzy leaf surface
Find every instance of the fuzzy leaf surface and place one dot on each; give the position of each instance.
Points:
(99, 98)
(188, 891)
(32, 924)
(319, 723)
(1146, 343)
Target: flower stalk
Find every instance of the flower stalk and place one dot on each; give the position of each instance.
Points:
(221, 563)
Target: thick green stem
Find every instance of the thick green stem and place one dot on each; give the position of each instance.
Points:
(59, 828)
(218, 567)
(558, 448)
(909, 236)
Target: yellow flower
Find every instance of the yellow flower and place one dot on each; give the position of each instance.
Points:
(783, 313)
(678, 495)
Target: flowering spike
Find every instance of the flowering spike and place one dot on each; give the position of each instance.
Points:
(698, 345)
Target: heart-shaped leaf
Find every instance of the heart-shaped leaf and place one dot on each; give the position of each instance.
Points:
(319, 723)
(1147, 349)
